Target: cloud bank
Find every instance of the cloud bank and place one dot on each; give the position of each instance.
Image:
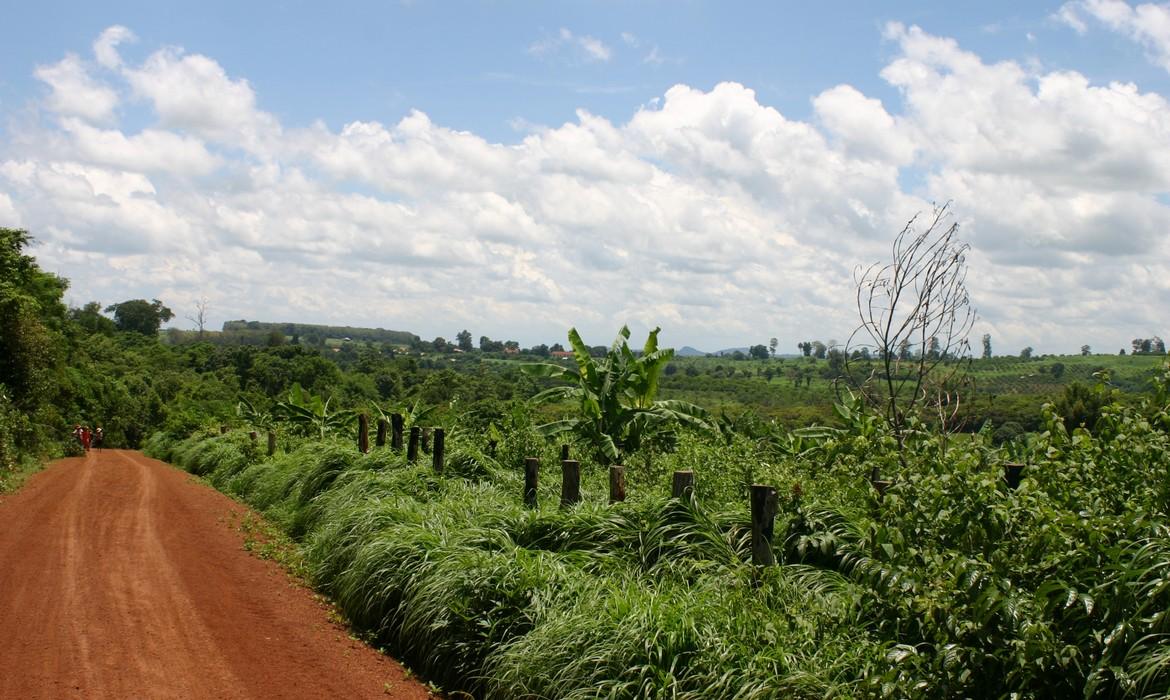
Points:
(709, 213)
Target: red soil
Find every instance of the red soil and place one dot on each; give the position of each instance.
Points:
(122, 577)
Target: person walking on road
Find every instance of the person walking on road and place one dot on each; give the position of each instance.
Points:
(85, 437)
(98, 437)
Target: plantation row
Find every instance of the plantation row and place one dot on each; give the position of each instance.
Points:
(952, 584)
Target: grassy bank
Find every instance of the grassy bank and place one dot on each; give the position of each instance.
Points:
(953, 585)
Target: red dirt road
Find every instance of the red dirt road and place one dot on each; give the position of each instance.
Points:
(122, 577)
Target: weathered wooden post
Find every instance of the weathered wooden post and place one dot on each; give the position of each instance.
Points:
(763, 521)
(383, 428)
(683, 485)
(363, 433)
(570, 482)
(426, 441)
(564, 452)
(437, 455)
(412, 448)
(531, 476)
(396, 431)
(617, 483)
(271, 443)
(1012, 473)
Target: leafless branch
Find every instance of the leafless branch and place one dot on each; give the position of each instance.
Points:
(915, 315)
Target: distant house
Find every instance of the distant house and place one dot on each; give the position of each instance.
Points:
(511, 350)
(561, 354)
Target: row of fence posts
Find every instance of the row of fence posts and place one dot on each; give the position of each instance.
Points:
(763, 497)
(432, 440)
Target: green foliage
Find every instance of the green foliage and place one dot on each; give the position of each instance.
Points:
(617, 395)
(310, 414)
(951, 585)
(140, 316)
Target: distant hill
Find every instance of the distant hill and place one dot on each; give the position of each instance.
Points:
(688, 351)
(308, 330)
(731, 351)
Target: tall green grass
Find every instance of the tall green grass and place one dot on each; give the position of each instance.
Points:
(950, 586)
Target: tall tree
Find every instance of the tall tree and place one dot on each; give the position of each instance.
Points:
(772, 345)
(463, 338)
(1086, 350)
(987, 346)
(140, 316)
(90, 318)
(32, 317)
(200, 317)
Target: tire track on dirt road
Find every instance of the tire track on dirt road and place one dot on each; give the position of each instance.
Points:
(122, 577)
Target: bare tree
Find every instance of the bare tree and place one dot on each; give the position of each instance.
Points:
(916, 315)
(200, 317)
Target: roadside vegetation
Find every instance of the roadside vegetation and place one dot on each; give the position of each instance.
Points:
(952, 584)
(910, 562)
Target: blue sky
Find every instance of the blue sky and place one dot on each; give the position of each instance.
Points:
(469, 65)
(515, 168)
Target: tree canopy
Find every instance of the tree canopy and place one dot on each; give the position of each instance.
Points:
(140, 316)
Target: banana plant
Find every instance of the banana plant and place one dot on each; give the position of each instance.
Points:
(259, 419)
(310, 413)
(617, 394)
(414, 415)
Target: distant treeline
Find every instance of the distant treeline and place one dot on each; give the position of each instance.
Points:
(310, 331)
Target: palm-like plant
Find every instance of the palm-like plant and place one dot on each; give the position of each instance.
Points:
(617, 394)
(310, 413)
(415, 414)
(253, 416)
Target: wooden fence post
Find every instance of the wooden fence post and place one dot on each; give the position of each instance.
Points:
(383, 428)
(564, 452)
(396, 431)
(763, 521)
(570, 482)
(1012, 473)
(531, 476)
(437, 456)
(271, 443)
(683, 485)
(412, 448)
(617, 483)
(363, 433)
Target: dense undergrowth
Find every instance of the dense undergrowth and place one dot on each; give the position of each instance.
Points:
(952, 585)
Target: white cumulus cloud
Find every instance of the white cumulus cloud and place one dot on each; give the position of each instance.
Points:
(1148, 24)
(705, 210)
(74, 91)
